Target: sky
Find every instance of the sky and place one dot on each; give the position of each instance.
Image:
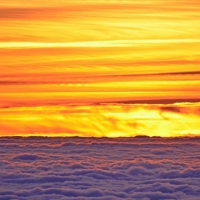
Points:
(99, 68)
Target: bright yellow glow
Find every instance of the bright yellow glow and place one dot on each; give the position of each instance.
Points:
(111, 43)
(97, 52)
(113, 120)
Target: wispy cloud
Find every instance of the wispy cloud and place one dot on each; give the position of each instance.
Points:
(117, 120)
(93, 44)
(89, 52)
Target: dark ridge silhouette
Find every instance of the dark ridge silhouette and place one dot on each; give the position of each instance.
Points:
(142, 136)
(98, 138)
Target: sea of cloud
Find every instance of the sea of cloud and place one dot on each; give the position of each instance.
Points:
(100, 169)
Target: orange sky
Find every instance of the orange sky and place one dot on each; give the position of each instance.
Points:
(85, 52)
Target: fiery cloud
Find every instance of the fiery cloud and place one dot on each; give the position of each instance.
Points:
(90, 52)
(117, 120)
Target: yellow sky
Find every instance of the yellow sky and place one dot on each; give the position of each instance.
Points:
(105, 120)
(87, 52)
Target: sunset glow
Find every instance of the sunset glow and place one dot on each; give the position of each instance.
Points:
(118, 120)
(100, 68)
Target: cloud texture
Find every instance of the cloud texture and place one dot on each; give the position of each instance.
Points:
(99, 51)
(104, 169)
(100, 120)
